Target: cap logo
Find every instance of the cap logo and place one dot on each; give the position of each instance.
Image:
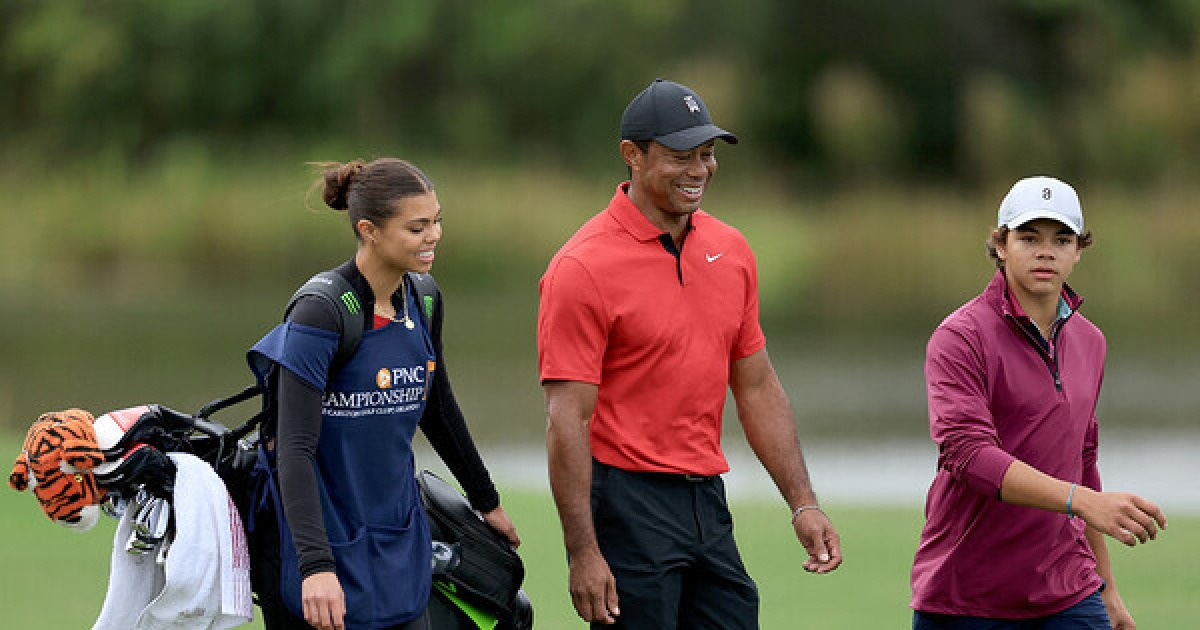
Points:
(691, 103)
(1046, 194)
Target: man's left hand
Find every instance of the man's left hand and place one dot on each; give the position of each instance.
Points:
(816, 533)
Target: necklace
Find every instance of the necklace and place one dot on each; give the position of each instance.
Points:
(406, 320)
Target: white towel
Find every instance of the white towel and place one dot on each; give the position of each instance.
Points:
(205, 584)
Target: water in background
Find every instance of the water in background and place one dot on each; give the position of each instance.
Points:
(860, 409)
(1161, 466)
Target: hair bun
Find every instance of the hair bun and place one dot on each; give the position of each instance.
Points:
(337, 184)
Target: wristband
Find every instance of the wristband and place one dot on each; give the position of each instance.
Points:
(1069, 496)
(800, 509)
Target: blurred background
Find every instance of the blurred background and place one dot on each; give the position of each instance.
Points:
(158, 202)
(159, 206)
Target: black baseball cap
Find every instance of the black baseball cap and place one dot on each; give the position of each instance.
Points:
(672, 115)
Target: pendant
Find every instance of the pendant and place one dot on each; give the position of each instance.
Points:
(408, 323)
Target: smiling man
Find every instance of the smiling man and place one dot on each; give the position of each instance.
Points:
(1015, 518)
(648, 315)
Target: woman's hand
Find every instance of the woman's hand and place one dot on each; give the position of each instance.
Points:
(324, 601)
(499, 521)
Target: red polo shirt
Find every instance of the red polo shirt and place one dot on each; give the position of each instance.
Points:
(655, 332)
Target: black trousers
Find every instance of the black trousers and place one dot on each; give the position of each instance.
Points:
(669, 543)
(264, 578)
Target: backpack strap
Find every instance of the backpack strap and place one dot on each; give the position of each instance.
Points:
(337, 292)
(428, 295)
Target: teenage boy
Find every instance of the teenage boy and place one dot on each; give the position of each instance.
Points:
(1015, 517)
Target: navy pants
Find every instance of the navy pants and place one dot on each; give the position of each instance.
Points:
(669, 543)
(1088, 614)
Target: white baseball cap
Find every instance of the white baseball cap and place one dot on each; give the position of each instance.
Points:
(1041, 198)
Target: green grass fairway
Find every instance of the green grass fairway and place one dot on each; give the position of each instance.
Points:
(55, 579)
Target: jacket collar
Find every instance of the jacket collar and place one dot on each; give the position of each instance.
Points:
(997, 295)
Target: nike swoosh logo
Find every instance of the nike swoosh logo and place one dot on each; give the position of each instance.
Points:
(711, 258)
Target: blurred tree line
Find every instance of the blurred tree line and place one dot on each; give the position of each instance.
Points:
(968, 91)
(155, 215)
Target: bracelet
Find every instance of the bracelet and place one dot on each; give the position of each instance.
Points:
(1069, 496)
(800, 509)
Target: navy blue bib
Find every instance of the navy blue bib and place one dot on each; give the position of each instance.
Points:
(365, 474)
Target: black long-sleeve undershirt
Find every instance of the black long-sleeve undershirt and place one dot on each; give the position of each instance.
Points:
(299, 428)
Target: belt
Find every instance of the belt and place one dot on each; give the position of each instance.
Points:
(687, 477)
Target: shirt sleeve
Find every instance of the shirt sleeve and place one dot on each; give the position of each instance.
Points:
(300, 385)
(299, 430)
(960, 421)
(1091, 443)
(573, 324)
(1091, 447)
(750, 338)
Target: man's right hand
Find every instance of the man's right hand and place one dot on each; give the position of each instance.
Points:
(1126, 517)
(569, 407)
(820, 540)
(593, 587)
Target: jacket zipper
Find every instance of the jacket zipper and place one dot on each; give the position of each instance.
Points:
(1051, 362)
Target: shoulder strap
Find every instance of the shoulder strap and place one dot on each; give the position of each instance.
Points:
(337, 292)
(428, 295)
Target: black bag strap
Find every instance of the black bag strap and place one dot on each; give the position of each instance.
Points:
(229, 401)
(337, 292)
(428, 295)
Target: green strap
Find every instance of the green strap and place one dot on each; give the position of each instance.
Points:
(338, 293)
(481, 618)
(427, 291)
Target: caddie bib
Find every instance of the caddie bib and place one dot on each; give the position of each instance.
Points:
(366, 479)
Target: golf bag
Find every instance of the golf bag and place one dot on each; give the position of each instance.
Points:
(477, 575)
(138, 454)
(477, 563)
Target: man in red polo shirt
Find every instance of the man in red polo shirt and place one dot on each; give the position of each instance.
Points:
(648, 314)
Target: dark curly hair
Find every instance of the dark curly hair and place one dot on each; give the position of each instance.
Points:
(1000, 235)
